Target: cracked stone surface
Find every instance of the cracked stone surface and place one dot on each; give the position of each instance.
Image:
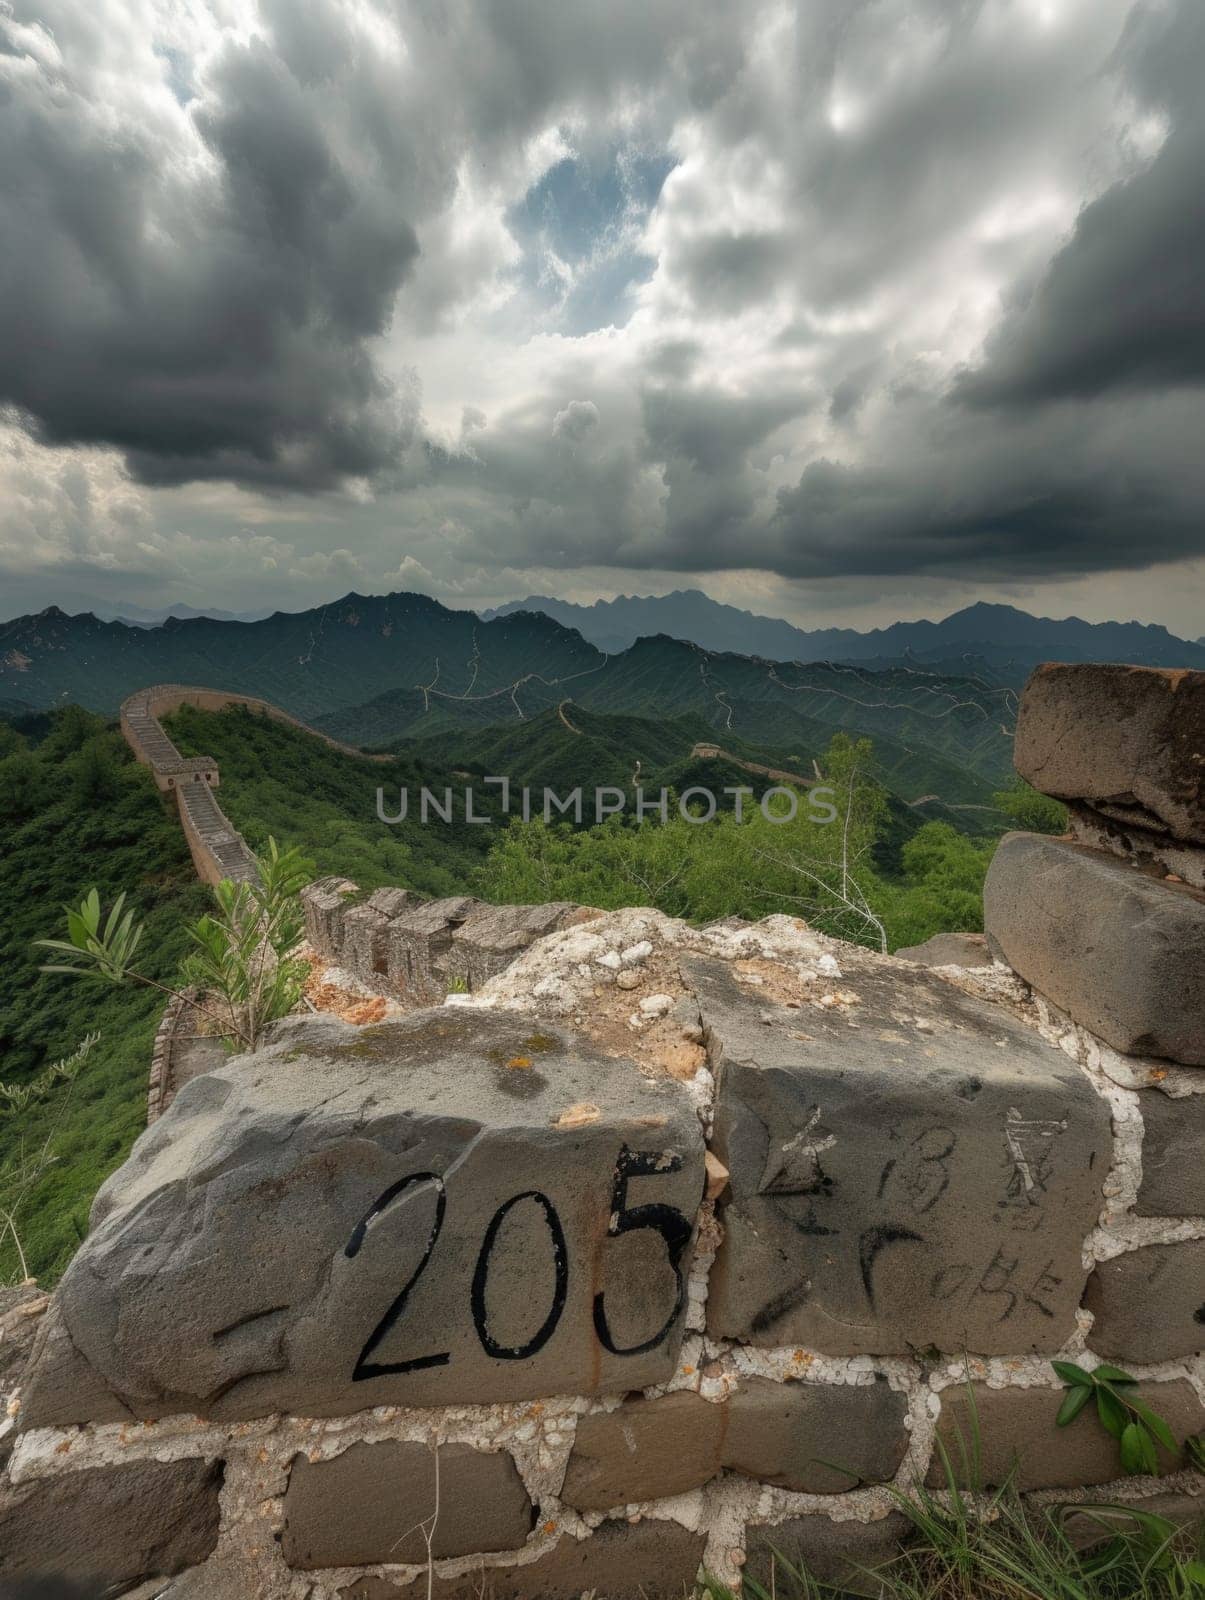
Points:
(386, 1215)
(908, 1169)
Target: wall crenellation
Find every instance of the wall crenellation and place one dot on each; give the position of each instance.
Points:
(649, 1247)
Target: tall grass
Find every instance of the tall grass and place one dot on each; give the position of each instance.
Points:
(972, 1545)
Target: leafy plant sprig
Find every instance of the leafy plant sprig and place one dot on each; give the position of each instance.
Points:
(244, 956)
(1134, 1425)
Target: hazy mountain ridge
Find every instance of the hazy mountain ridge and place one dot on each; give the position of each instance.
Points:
(997, 636)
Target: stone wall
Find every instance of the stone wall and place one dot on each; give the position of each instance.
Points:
(418, 950)
(180, 1052)
(649, 1248)
(218, 850)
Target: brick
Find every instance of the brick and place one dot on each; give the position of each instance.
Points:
(908, 1168)
(836, 1553)
(111, 1525)
(1017, 1431)
(1121, 952)
(419, 947)
(1149, 1304)
(1173, 1156)
(368, 1505)
(1086, 1529)
(1131, 740)
(493, 936)
(652, 1560)
(644, 1450)
(818, 1438)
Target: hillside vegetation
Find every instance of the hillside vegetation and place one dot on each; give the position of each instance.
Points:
(76, 811)
(888, 878)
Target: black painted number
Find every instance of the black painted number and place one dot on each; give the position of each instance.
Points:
(673, 1227)
(365, 1368)
(559, 1290)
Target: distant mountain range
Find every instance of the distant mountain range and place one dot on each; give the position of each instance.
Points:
(1010, 641)
(153, 617)
(378, 669)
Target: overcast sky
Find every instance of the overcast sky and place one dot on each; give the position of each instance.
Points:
(846, 310)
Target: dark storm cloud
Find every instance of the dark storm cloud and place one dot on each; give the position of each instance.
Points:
(1122, 306)
(208, 323)
(210, 311)
(712, 286)
(995, 497)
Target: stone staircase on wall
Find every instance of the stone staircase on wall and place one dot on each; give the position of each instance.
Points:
(651, 1248)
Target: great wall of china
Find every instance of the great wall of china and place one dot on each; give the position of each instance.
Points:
(650, 1249)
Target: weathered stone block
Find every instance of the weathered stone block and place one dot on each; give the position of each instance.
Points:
(1149, 1304)
(649, 1561)
(372, 1503)
(816, 1437)
(1016, 1431)
(110, 1525)
(323, 904)
(1173, 1156)
(1097, 1524)
(949, 950)
(644, 1450)
(366, 930)
(61, 1386)
(388, 1215)
(836, 1553)
(419, 947)
(908, 1168)
(1120, 952)
(1130, 739)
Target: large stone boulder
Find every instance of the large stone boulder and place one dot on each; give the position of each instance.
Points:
(909, 1168)
(449, 1209)
(1121, 952)
(1130, 740)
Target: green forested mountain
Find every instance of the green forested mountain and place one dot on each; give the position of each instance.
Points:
(372, 670)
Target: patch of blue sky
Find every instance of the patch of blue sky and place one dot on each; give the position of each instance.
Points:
(579, 227)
